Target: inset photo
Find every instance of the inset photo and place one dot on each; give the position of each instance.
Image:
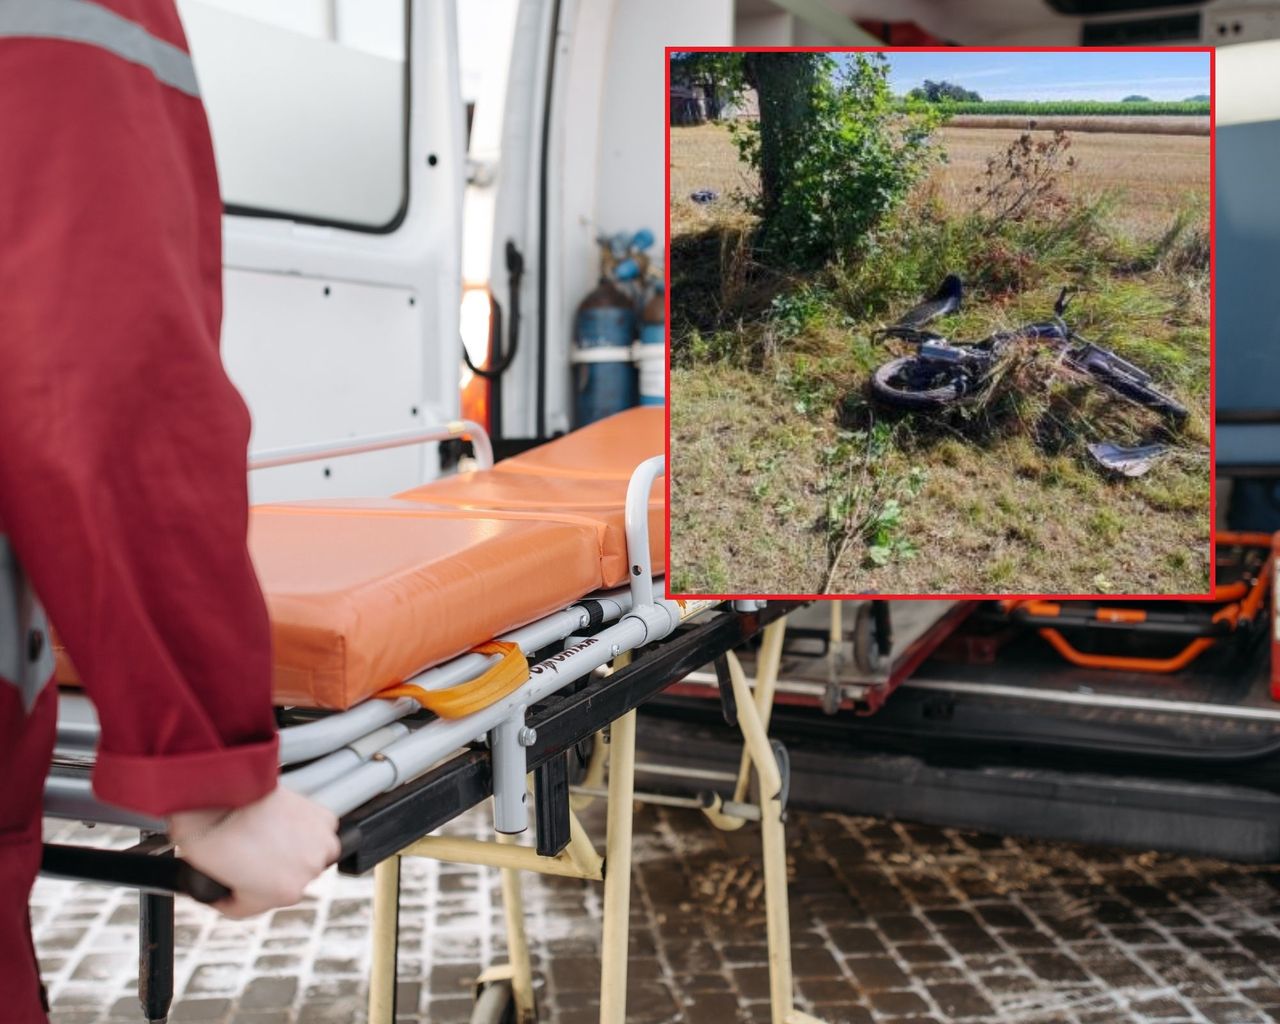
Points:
(940, 322)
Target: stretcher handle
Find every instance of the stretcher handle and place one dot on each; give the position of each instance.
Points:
(145, 871)
(149, 872)
(203, 889)
(192, 882)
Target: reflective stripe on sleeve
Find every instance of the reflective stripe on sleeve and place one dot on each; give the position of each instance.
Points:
(26, 655)
(81, 21)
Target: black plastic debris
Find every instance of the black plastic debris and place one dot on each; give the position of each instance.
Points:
(945, 300)
(704, 196)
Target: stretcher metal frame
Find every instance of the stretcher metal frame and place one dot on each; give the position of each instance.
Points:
(394, 774)
(1237, 606)
(855, 663)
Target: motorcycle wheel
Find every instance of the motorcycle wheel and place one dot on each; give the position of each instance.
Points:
(899, 382)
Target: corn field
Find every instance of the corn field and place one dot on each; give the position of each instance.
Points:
(1050, 108)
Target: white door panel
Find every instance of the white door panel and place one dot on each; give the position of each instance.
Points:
(381, 352)
(321, 362)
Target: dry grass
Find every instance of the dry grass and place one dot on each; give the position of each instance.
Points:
(998, 513)
(1144, 125)
(1153, 174)
(703, 156)
(748, 472)
(1006, 520)
(752, 468)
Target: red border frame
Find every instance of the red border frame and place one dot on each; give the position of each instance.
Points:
(1213, 343)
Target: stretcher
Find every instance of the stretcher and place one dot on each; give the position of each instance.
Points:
(851, 655)
(1161, 636)
(455, 643)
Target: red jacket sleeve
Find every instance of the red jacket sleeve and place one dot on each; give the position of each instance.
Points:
(122, 442)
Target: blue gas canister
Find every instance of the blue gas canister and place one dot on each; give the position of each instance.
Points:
(652, 361)
(605, 378)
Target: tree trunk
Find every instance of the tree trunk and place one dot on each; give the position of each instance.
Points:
(784, 85)
(711, 92)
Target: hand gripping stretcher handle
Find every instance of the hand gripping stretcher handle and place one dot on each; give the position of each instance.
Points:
(148, 872)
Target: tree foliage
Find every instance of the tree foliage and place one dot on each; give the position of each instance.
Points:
(834, 151)
(1136, 98)
(718, 74)
(943, 92)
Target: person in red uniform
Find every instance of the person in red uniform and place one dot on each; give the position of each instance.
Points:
(123, 501)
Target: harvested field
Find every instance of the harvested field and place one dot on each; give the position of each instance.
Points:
(1154, 174)
(1139, 124)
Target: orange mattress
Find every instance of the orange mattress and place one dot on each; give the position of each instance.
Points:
(553, 498)
(401, 587)
(581, 474)
(607, 450)
(364, 593)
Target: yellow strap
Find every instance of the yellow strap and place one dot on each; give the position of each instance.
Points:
(498, 681)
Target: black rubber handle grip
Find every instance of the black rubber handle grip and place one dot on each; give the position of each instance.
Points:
(150, 872)
(147, 871)
(200, 887)
(204, 889)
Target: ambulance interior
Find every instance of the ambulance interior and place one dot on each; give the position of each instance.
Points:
(416, 194)
(406, 181)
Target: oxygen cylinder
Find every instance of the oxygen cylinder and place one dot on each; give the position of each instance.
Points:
(605, 377)
(653, 339)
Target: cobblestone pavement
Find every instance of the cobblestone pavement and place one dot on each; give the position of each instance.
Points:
(893, 924)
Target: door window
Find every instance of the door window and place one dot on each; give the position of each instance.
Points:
(308, 106)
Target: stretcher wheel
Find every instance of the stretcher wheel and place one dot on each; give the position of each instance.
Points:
(496, 1004)
(866, 648)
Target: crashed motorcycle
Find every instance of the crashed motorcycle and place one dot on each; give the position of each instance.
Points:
(943, 372)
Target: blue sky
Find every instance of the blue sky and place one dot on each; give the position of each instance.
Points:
(1076, 75)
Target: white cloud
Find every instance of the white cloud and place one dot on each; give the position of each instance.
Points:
(1132, 85)
(983, 73)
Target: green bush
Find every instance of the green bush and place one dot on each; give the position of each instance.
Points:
(855, 161)
(793, 313)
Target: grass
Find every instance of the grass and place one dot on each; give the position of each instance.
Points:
(787, 479)
(1109, 163)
